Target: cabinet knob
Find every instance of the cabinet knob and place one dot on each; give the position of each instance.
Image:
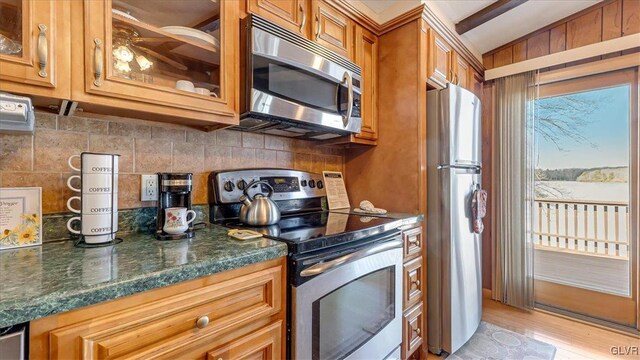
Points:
(417, 282)
(202, 322)
(417, 331)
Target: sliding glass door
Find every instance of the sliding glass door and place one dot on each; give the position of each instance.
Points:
(586, 206)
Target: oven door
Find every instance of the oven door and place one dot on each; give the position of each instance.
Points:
(351, 308)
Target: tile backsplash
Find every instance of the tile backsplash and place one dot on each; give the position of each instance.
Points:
(145, 147)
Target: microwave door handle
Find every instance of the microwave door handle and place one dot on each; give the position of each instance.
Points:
(320, 268)
(349, 81)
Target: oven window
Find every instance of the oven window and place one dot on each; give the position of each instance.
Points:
(296, 85)
(348, 317)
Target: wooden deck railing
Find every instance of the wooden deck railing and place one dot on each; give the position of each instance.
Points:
(598, 228)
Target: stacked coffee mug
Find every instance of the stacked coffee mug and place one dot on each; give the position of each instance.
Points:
(97, 185)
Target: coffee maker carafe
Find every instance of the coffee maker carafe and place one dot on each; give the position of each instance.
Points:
(174, 192)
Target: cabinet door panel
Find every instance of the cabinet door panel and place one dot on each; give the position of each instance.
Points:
(412, 330)
(461, 71)
(413, 242)
(289, 14)
(264, 344)
(439, 68)
(158, 52)
(34, 58)
(412, 282)
(332, 29)
(366, 57)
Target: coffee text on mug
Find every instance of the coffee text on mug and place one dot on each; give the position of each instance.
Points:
(101, 169)
(102, 229)
(100, 190)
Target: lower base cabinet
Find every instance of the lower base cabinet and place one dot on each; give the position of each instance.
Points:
(238, 314)
(413, 320)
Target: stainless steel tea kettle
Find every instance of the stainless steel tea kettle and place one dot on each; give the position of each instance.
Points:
(260, 210)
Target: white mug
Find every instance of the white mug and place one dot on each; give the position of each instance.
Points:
(94, 204)
(202, 91)
(175, 220)
(92, 225)
(95, 183)
(94, 163)
(185, 85)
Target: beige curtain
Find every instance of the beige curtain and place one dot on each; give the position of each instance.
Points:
(513, 190)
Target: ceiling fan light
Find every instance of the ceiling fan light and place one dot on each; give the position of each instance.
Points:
(143, 62)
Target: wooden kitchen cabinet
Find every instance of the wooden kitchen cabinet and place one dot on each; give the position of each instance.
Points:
(413, 330)
(462, 72)
(414, 276)
(292, 15)
(230, 315)
(135, 52)
(331, 28)
(439, 59)
(36, 57)
(366, 56)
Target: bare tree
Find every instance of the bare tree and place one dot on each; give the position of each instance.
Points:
(561, 118)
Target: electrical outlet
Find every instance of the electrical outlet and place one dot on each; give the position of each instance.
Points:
(149, 188)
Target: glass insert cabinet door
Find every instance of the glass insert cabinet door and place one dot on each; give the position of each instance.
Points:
(33, 48)
(167, 52)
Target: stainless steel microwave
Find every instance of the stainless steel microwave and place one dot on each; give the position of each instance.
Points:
(293, 87)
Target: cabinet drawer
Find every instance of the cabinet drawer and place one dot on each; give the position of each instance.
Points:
(182, 321)
(264, 344)
(412, 330)
(413, 242)
(412, 282)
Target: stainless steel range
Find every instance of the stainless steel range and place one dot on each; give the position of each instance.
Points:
(344, 270)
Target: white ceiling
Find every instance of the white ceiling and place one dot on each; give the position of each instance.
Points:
(524, 19)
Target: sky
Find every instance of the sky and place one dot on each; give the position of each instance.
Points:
(607, 127)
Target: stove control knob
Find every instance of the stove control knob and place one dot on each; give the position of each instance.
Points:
(303, 183)
(242, 184)
(320, 184)
(312, 183)
(228, 185)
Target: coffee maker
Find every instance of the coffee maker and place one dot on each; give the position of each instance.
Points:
(174, 191)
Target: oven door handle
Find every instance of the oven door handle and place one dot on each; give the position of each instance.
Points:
(320, 268)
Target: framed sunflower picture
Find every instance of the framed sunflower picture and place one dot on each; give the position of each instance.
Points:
(20, 217)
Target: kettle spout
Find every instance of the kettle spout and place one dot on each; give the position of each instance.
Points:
(245, 200)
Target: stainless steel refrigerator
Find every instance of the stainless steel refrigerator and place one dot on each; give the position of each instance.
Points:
(454, 249)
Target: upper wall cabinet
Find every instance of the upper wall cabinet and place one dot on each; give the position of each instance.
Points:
(34, 47)
(332, 29)
(289, 14)
(366, 56)
(439, 64)
(461, 70)
(158, 56)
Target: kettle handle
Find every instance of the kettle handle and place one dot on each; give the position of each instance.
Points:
(254, 183)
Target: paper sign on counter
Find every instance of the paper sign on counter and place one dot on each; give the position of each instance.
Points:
(336, 191)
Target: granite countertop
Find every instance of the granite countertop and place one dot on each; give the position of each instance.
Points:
(56, 277)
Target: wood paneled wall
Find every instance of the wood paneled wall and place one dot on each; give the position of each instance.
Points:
(604, 21)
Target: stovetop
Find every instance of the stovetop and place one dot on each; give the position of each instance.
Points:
(313, 231)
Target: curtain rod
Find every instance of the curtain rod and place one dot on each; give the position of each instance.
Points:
(567, 56)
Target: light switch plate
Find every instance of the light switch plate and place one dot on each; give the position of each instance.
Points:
(149, 187)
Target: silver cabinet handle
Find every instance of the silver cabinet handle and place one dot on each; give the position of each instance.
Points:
(202, 322)
(304, 18)
(317, 27)
(347, 78)
(319, 268)
(97, 62)
(43, 50)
